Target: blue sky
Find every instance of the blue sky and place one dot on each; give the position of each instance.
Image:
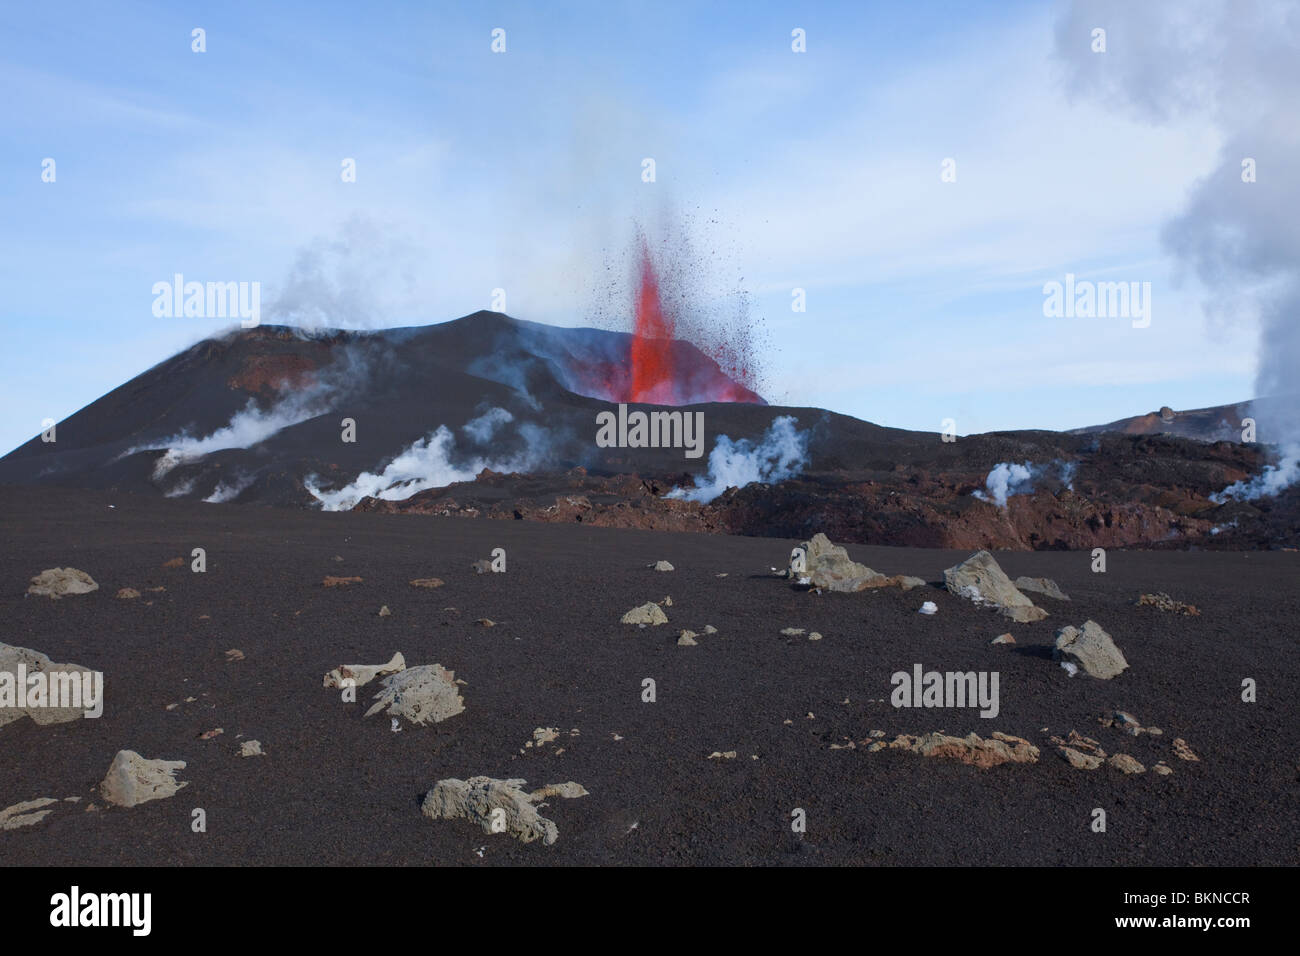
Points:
(522, 171)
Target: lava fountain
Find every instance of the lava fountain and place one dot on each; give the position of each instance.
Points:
(663, 366)
(651, 354)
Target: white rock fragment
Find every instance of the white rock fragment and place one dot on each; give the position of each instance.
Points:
(420, 695)
(1091, 648)
(133, 780)
(929, 607)
(362, 674)
(27, 813)
(498, 806)
(56, 583)
(980, 579)
(648, 613)
(18, 665)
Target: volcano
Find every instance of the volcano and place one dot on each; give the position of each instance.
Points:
(253, 414)
(491, 416)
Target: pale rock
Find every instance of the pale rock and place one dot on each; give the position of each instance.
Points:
(60, 582)
(419, 695)
(132, 780)
(980, 579)
(362, 674)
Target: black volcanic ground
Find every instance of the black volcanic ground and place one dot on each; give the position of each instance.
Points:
(337, 789)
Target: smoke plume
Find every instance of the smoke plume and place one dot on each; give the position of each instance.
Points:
(1233, 63)
(782, 453)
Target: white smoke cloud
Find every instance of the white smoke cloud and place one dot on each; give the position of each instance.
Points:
(1233, 62)
(228, 492)
(782, 453)
(1008, 478)
(426, 463)
(482, 429)
(1271, 481)
(246, 428)
(358, 278)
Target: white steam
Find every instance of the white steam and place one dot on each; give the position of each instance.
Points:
(782, 453)
(1008, 479)
(482, 429)
(426, 463)
(249, 426)
(1273, 480)
(1233, 64)
(228, 492)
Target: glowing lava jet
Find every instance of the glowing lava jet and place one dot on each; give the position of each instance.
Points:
(661, 369)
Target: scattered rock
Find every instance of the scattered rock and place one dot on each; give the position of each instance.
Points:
(1003, 639)
(427, 583)
(648, 613)
(1163, 602)
(1090, 648)
(828, 567)
(251, 748)
(420, 695)
(60, 582)
(498, 806)
(972, 749)
(33, 662)
(482, 566)
(980, 579)
(569, 791)
(929, 607)
(174, 563)
(543, 736)
(1182, 751)
(384, 612)
(1123, 720)
(234, 654)
(209, 734)
(1044, 586)
(127, 594)
(1077, 741)
(362, 674)
(1126, 764)
(722, 755)
(814, 636)
(710, 629)
(662, 566)
(1080, 761)
(686, 639)
(336, 582)
(27, 813)
(486, 622)
(792, 631)
(1163, 769)
(132, 780)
